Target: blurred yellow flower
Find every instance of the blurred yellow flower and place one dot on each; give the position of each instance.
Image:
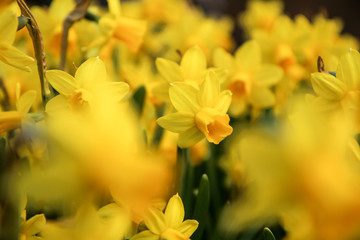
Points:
(261, 15)
(249, 79)
(343, 91)
(12, 119)
(128, 30)
(169, 225)
(199, 112)
(79, 92)
(8, 53)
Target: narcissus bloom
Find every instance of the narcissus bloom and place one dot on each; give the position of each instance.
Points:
(30, 229)
(8, 53)
(200, 113)
(80, 91)
(128, 30)
(261, 15)
(192, 67)
(169, 225)
(12, 119)
(249, 79)
(192, 70)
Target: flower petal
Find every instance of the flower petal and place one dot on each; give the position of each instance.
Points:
(209, 90)
(57, 104)
(59, 9)
(223, 101)
(327, 86)
(114, 7)
(262, 98)
(248, 56)
(145, 235)
(177, 122)
(63, 82)
(26, 101)
(184, 97)
(91, 72)
(8, 26)
(14, 57)
(155, 221)
(268, 75)
(349, 69)
(34, 224)
(118, 90)
(174, 212)
(224, 59)
(188, 227)
(190, 137)
(169, 70)
(131, 31)
(193, 63)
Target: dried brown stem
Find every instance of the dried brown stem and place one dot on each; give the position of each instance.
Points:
(38, 44)
(75, 15)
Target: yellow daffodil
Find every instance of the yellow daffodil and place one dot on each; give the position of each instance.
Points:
(128, 30)
(249, 79)
(200, 113)
(343, 91)
(12, 119)
(79, 92)
(30, 229)
(50, 22)
(192, 69)
(169, 225)
(8, 53)
(261, 14)
(109, 222)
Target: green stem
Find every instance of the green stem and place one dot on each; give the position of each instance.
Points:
(211, 169)
(187, 182)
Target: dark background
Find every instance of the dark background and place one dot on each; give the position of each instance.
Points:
(347, 10)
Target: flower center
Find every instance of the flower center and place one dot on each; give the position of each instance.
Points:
(79, 99)
(284, 57)
(213, 124)
(240, 86)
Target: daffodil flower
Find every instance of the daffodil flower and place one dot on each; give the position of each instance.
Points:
(201, 113)
(169, 225)
(192, 69)
(29, 229)
(11, 120)
(128, 30)
(8, 53)
(50, 22)
(249, 79)
(79, 92)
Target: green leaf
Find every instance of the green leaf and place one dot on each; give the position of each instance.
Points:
(2, 147)
(268, 235)
(139, 99)
(92, 17)
(159, 130)
(202, 206)
(22, 21)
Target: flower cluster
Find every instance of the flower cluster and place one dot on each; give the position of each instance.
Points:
(146, 120)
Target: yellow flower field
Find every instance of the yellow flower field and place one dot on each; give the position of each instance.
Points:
(148, 120)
